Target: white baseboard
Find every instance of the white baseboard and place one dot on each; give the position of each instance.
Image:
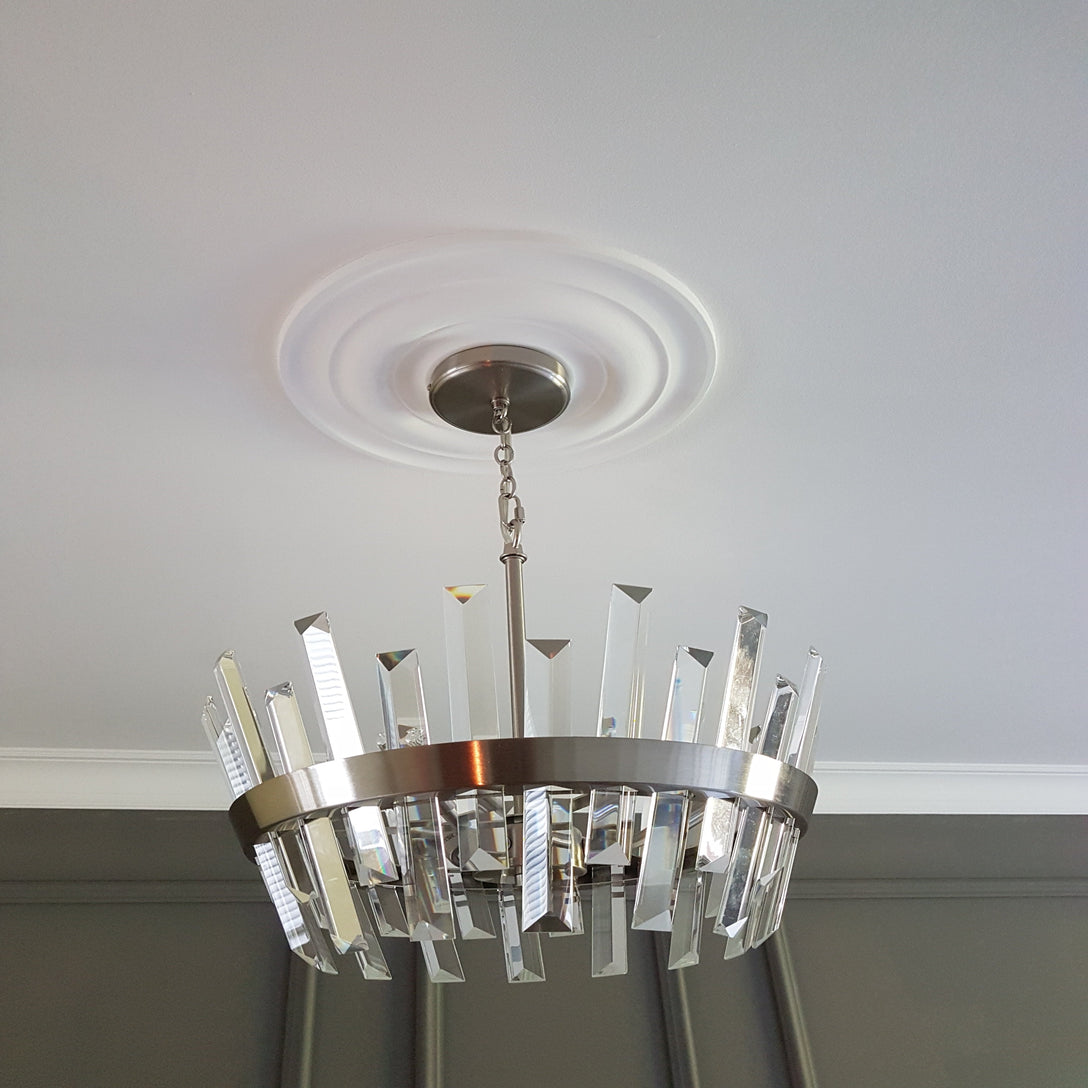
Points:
(136, 779)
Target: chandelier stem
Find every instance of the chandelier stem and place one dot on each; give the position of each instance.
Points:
(515, 630)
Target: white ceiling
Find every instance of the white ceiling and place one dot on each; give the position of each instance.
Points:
(881, 207)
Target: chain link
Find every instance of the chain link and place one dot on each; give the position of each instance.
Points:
(511, 512)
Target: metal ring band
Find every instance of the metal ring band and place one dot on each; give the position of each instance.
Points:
(580, 762)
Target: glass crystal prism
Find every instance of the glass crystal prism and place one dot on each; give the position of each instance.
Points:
(687, 685)
(483, 840)
(608, 948)
(303, 931)
(442, 961)
(400, 684)
(740, 876)
(662, 859)
(240, 712)
(548, 687)
(338, 723)
(801, 743)
(428, 901)
(474, 713)
(521, 951)
(388, 910)
(667, 813)
(610, 827)
(549, 895)
(687, 923)
(777, 726)
(620, 710)
(371, 848)
(470, 907)
(734, 731)
(328, 877)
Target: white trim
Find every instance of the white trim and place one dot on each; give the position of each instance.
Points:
(987, 788)
(113, 778)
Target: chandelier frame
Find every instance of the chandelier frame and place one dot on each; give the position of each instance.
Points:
(582, 763)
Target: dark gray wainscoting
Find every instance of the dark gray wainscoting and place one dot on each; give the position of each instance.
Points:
(136, 948)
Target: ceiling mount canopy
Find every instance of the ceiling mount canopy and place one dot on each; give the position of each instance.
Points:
(534, 384)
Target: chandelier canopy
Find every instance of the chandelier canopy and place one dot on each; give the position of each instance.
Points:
(552, 823)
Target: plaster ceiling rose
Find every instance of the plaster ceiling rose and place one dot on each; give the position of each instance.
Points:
(357, 350)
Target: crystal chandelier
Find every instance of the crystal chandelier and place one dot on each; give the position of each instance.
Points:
(542, 831)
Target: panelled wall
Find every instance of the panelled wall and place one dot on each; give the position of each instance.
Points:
(136, 949)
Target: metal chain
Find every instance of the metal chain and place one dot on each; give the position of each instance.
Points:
(511, 512)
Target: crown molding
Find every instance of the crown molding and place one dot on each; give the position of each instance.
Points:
(110, 778)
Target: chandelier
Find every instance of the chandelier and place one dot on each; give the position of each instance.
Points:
(553, 823)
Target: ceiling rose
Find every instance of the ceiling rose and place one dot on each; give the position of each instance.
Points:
(357, 350)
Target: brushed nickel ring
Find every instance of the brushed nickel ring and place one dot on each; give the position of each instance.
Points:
(645, 766)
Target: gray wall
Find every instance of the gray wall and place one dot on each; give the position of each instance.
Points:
(136, 949)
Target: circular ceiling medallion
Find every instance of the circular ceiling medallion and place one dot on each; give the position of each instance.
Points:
(358, 350)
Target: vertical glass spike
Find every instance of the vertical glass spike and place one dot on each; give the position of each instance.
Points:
(303, 932)
(288, 731)
(338, 722)
(371, 845)
(667, 813)
(684, 706)
(221, 737)
(778, 724)
(734, 731)
(609, 922)
(322, 850)
(549, 897)
(547, 679)
(370, 957)
(740, 877)
(620, 710)
(793, 837)
(610, 827)
(471, 909)
(428, 902)
(373, 964)
(372, 850)
(388, 910)
(767, 880)
(299, 919)
(483, 842)
(290, 858)
(443, 963)
(470, 906)
(715, 893)
(240, 712)
(400, 684)
(536, 829)
(521, 951)
(608, 837)
(662, 860)
(576, 920)
(687, 925)
(474, 708)
(803, 740)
